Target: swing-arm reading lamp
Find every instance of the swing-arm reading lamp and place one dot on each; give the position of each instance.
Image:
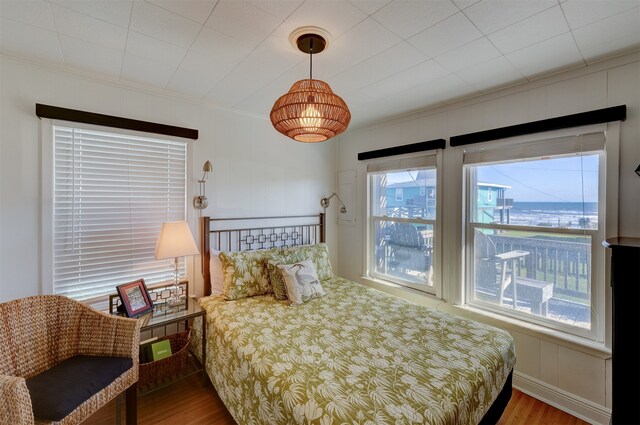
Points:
(324, 202)
(201, 201)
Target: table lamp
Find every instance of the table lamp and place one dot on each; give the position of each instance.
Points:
(175, 240)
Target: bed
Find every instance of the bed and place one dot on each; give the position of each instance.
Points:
(350, 355)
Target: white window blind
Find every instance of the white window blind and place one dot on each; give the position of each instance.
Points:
(591, 142)
(112, 193)
(404, 164)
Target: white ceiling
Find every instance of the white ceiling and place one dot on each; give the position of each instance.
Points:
(385, 57)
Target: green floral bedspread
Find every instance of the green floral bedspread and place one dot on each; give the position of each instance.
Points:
(355, 355)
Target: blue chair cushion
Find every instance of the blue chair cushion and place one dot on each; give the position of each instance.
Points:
(58, 391)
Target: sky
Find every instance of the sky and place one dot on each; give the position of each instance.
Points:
(570, 179)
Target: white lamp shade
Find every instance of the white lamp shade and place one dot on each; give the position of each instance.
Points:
(175, 240)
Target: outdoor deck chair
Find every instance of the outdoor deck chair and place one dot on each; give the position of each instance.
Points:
(408, 248)
(496, 273)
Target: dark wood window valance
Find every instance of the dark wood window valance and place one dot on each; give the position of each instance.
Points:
(614, 113)
(64, 114)
(404, 149)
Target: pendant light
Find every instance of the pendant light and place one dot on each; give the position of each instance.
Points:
(310, 111)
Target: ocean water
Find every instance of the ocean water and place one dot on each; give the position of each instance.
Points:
(556, 214)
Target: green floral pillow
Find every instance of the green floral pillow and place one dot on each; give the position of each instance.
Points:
(275, 276)
(301, 281)
(245, 273)
(318, 254)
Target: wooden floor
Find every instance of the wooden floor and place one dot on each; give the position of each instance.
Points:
(192, 402)
(525, 410)
(185, 402)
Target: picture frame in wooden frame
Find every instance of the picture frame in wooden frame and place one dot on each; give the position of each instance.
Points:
(135, 298)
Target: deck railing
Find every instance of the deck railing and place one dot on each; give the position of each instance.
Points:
(566, 264)
(412, 211)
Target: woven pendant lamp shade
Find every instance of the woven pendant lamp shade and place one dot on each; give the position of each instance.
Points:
(310, 112)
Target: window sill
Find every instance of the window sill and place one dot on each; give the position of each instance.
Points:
(100, 304)
(576, 343)
(400, 291)
(585, 345)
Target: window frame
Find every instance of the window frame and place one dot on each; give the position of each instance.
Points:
(47, 197)
(507, 311)
(436, 262)
(607, 217)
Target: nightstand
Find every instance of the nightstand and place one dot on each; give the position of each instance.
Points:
(164, 315)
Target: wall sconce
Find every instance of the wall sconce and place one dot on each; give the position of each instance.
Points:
(201, 201)
(638, 170)
(324, 202)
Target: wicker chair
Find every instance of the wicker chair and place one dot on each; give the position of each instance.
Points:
(58, 346)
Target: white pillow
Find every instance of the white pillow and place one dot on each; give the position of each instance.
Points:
(215, 272)
(301, 281)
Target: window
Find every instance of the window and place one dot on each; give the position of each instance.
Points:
(535, 253)
(111, 193)
(402, 234)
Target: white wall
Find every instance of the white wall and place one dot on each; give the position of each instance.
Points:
(566, 374)
(257, 171)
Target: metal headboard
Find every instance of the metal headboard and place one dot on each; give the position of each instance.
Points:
(252, 233)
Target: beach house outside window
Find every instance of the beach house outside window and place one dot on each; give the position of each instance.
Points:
(534, 249)
(111, 191)
(403, 230)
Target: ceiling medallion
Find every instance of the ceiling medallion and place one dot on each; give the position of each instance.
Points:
(310, 111)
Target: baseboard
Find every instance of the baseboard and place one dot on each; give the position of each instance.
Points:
(577, 406)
